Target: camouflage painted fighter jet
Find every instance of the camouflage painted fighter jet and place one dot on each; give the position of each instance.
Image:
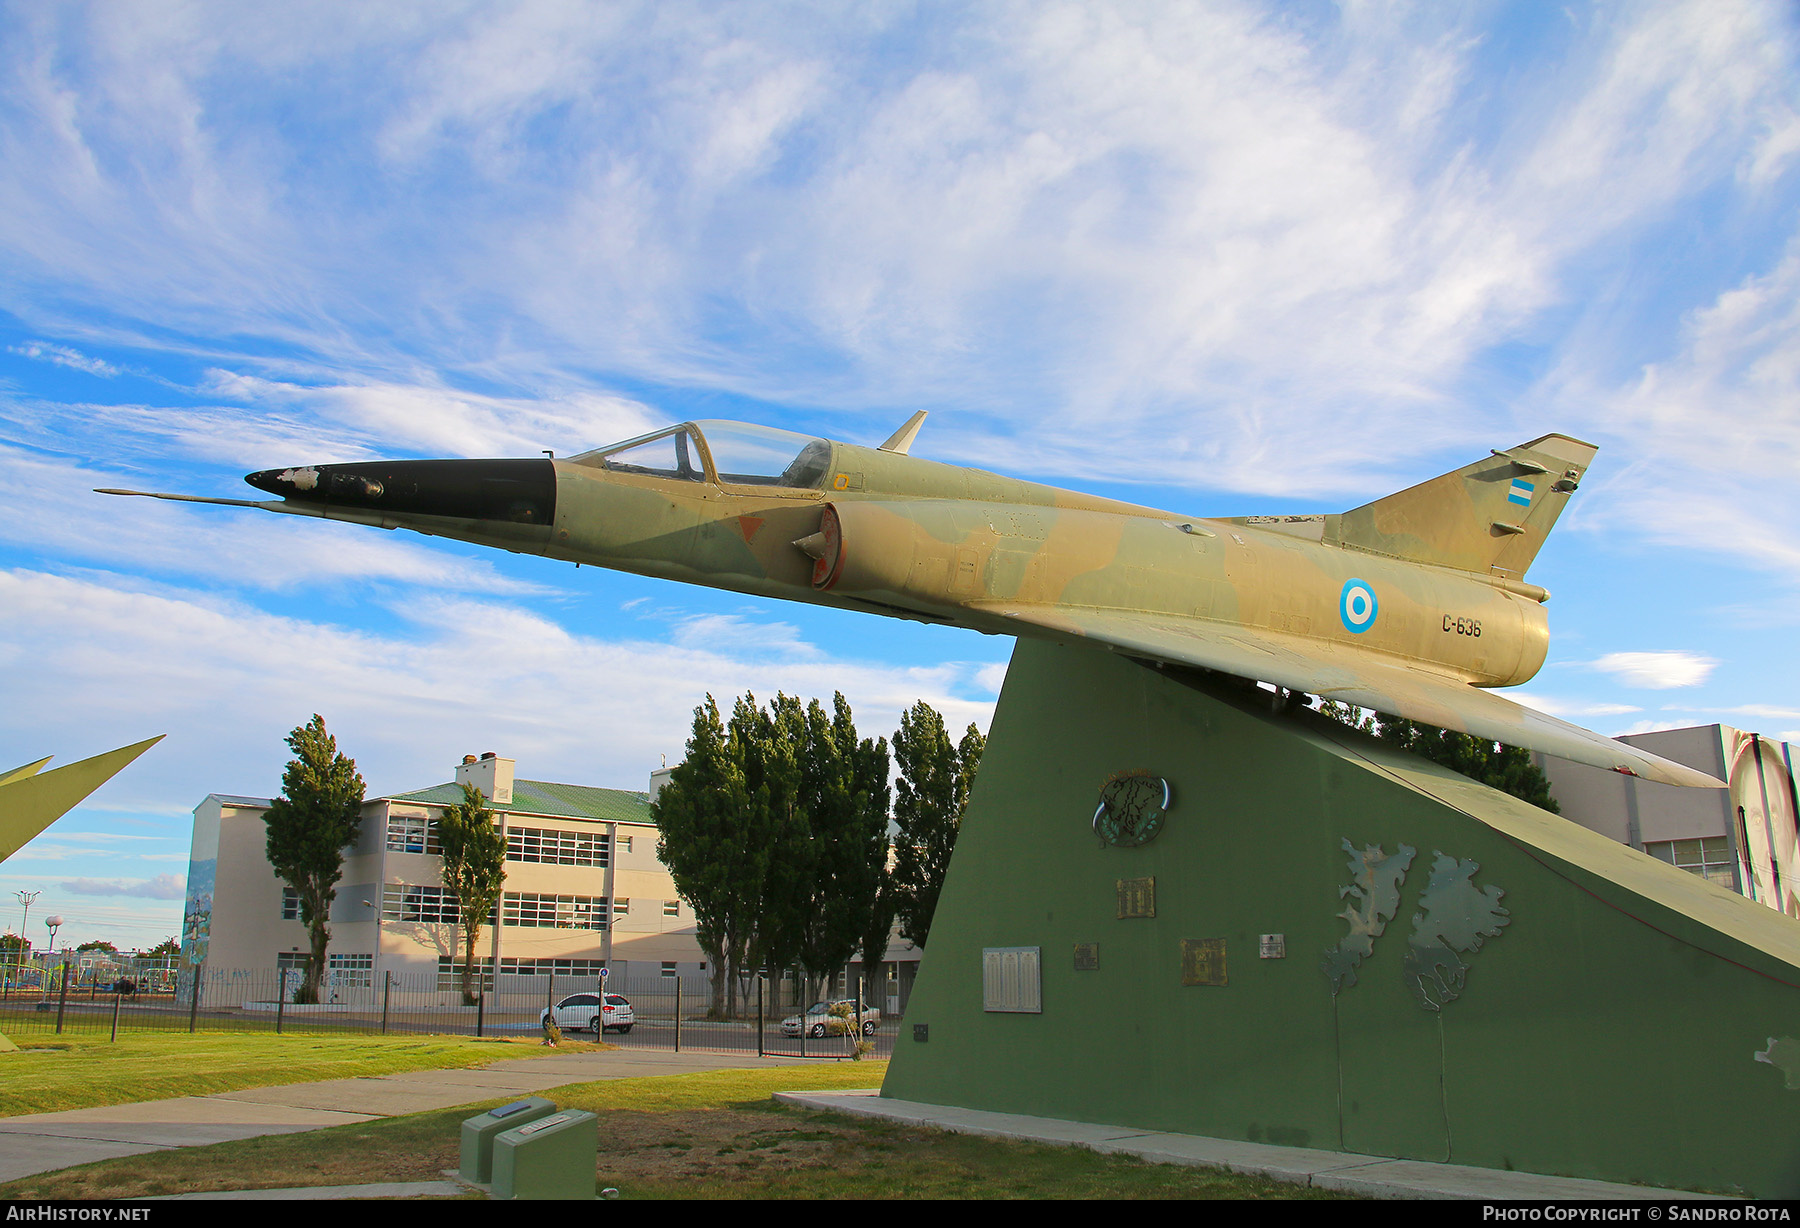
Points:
(1413, 605)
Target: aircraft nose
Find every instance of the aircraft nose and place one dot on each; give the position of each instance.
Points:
(519, 491)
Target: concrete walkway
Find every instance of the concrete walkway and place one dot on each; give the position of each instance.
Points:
(1371, 1176)
(43, 1142)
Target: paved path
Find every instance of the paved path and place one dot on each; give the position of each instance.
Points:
(1373, 1176)
(42, 1142)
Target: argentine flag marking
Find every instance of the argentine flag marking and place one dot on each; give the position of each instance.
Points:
(1357, 606)
(1520, 493)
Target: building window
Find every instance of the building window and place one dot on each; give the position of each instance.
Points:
(624, 844)
(290, 961)
(671, 908)
(552, 967)
(622, 906)
(530, 910)
(352, 971)
(553, 846)
(450, 975)
(412, 833)
(406, 902)
(1709, 857)
(290, 904)
(668, 968)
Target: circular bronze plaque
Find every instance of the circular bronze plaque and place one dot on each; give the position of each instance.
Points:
(1132, 808)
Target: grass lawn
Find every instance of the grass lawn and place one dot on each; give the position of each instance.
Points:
(78, 1072)
(714, 1135)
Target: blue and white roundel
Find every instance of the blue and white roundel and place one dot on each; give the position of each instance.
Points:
(1357, 606)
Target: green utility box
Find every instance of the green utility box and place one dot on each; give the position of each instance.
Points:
(479, 1133)
(553, 1157)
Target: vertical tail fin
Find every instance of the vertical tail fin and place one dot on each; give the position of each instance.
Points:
(1490, 517)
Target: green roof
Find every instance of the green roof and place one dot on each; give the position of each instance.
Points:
(548, 798)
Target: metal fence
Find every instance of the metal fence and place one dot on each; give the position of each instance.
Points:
(665, 1012)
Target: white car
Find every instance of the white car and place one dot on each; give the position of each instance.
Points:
(578, 1011)
(819, 1021)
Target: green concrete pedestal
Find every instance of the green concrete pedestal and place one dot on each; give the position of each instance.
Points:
(1514, 992)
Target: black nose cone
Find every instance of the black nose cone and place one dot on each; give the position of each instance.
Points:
(519, 491)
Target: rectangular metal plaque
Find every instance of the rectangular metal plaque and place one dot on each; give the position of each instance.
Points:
(1087, 957)
(1137, 897)
(1202, 961)
(1012, 980)
(1272, 946)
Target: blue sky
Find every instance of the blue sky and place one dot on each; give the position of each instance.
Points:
(1226, 258)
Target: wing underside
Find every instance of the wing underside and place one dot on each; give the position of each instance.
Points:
(1318, 669)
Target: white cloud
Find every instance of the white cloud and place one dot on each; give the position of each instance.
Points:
(1657, 671)
(50, 506)
(1653, 726)
(64, 356)
(228, 683)
(1767, 712)
(991, 677)
(442, 421)
(1205, 230)
(1714, 431)
(162, 887)
(741, 636)
(1565, 707)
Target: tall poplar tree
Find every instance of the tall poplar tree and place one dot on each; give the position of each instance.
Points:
(701, 817)
(929, 797)
(316, 817)
(772, 746)
(474, 854)
(871, 888)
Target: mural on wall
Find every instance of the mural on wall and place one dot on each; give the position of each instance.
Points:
(1374, 891)
(196, 920)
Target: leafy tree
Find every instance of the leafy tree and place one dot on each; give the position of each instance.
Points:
(769, 747)
(774, 828)
(167, 948)
(700, 816)
(827, 908)
(933, 789)
(870, 891)
(309, 826)
(13, 948)
(1506, 768)
(474, 854)
(99, 944)
(844, 795)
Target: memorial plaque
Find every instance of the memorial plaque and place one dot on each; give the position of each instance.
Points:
(1137, 897)
(1087, 957)
(1272, 946)
(1202, 961)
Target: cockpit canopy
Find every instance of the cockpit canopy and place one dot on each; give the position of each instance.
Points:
(735, 453)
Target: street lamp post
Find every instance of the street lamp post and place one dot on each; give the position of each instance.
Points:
(27, 899)
(52, 924)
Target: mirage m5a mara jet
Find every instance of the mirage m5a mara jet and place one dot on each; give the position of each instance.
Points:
(1412, 605)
